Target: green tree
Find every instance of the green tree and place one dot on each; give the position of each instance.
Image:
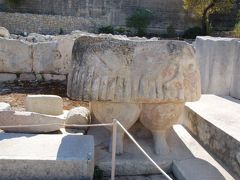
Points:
(140, 20)
(203, 8)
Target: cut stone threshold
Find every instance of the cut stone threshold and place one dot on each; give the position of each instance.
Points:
(46, 157)
(215, 122)
(186, 158)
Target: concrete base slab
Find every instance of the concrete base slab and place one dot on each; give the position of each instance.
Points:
(38, 157)
(134, 163)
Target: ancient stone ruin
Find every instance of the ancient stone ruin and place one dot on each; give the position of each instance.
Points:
(126, 79)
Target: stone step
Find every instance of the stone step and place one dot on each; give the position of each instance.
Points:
(37, 157)
(215, 122)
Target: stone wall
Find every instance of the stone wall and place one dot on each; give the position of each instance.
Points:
(18, 23)
(93, 13)
(219, 60)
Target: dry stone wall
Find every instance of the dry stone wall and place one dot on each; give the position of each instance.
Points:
(18, 23)
(47, 16)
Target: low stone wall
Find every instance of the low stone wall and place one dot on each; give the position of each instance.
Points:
(45, 57)
(219, 60)
(18, 23)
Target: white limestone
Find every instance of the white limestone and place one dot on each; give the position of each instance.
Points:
(4, 106)
(44, 104)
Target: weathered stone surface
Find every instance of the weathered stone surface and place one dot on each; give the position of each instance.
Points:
(7, 77)
(215, 122)
(158, 118)
(196, 169)
(126, 113)
(54, 77)
(53, 56)
(4, 32)
(50, 157)
(44, 104)
(4, 106)
(27, 77)
(15, 56)
(40, 123)
(117, 69)
(219, 63)
(78, 115)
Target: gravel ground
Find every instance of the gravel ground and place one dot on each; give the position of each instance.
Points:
(15, 93)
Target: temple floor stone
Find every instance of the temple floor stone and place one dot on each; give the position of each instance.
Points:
(29, 156)
(133, 163)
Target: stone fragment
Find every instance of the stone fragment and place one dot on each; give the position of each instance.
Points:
(38, 123)
(126, 113)
(4, 106)
(78, 115)
(54, 77)
(27, 77)
(4, 32)
(7, 77)
(108, 68)
(45, 104)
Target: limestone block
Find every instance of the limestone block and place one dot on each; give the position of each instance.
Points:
(15, 56)
(4, 32)
(53, 56)
(118, 69)
(4, 106)
(78, 115)
(27, 77)
(126, 113)
(7, 77)
(235, 83)
(158, 118)
(40, 123)
(46, 156)
(54, 77)
(216, 58)
(44, 104)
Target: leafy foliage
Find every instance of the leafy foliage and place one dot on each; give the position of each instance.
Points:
(191, 33)
(13, 2)
(171, 31)
(106, 30)
(236, 30)
(140, 20)
(203, 8)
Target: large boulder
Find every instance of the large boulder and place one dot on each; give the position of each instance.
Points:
(4, 32)
(118, 69)
(117, 75)
(44, 104)
(32, 122)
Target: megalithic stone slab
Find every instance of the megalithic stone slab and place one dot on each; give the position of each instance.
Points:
(44, 104)
(118, 69)
(31, 122)
(51, 157)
